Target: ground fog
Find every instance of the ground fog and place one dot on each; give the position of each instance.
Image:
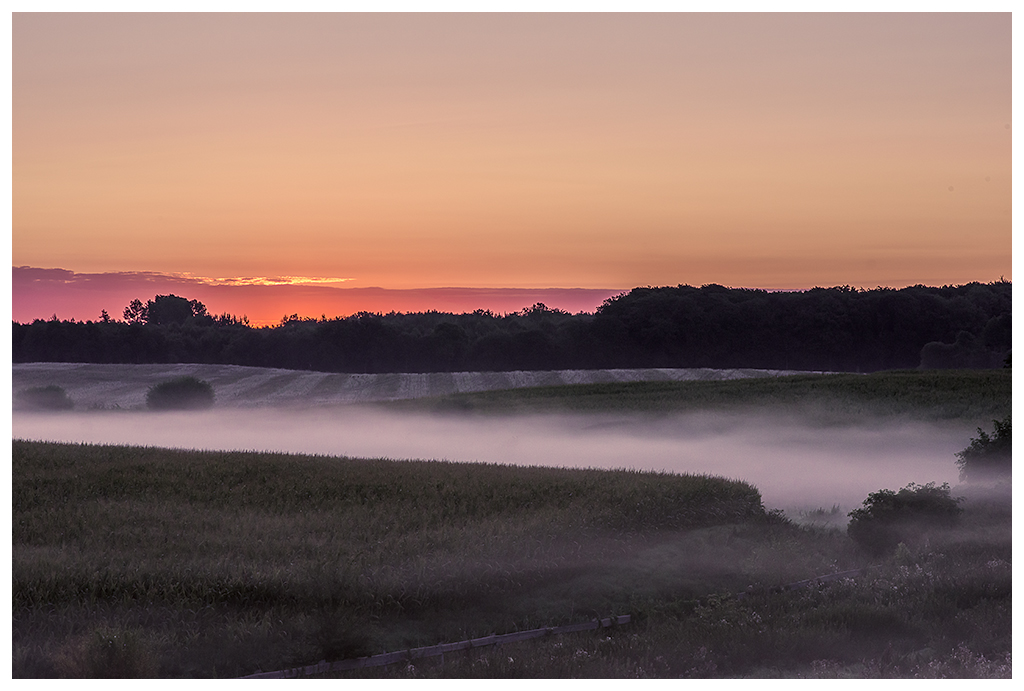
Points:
(796, 465)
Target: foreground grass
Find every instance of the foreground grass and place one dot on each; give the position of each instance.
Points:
(241, 549)
(981, 395)
(940, 608)
(151, 562)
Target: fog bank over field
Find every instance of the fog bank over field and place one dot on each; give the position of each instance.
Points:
(794, 461)
(796, 465)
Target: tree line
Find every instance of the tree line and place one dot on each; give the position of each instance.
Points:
(833, 329)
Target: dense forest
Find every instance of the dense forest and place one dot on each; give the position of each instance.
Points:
(833, 329)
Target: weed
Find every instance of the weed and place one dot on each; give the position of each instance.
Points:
(822, 518)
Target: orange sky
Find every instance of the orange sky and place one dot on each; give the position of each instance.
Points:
(522, 151)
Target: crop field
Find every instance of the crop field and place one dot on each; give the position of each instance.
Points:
(93, 386)
(134, 560)
(836, 398)
(805, 441)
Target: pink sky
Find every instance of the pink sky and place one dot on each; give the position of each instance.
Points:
(83, 296)
(526, 151)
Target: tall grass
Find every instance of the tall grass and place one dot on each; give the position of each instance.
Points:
(940, 611)
(152, 562)
(103, 530)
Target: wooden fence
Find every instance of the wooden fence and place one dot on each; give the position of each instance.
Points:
(323, 666)
(436, 650)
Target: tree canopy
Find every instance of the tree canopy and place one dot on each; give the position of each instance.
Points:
(162, 310)
(823, 329)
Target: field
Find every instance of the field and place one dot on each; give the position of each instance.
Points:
(838, 398)
(135, 561)
(96, 386)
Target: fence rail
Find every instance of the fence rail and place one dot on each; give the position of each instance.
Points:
(323, 667)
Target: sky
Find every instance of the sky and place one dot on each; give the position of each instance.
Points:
(304, 159)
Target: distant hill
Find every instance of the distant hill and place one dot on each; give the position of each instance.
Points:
(95, 386)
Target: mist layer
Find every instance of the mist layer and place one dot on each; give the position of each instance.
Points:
(795, 464)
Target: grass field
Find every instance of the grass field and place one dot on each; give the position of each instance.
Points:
(148, 562)
(124, 387)
(131, 561)
(831, 398)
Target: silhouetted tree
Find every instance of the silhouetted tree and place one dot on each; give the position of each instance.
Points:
(171, 309)
(838, 329)
(136, 312)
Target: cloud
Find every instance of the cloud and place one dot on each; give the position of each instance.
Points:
(268, 280)
(23, 275)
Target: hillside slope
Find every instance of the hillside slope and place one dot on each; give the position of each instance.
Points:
(125, 386)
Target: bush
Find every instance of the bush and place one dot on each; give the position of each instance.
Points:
(889, 518)
(988, 457)
(50, 397)
(183, 393)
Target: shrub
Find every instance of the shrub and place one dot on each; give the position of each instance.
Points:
(889, 518)
(988, 457)
(183, 393)
(50, 397)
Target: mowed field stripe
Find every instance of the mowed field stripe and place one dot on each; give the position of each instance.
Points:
(125, 386)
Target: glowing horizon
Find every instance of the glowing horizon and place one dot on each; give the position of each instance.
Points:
(40, 293)
(532, 151)
(82, 296)
(260, 280)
